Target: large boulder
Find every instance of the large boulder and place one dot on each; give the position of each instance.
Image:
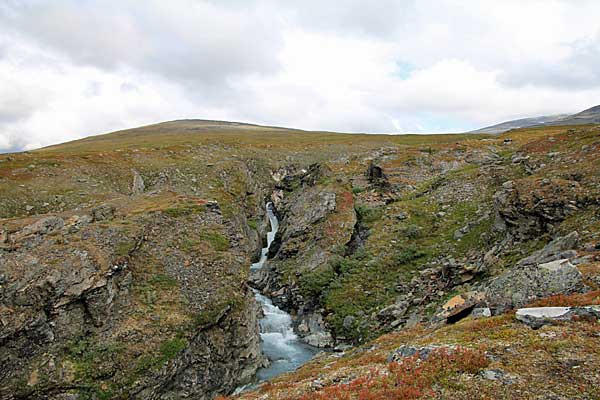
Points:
(537, 317)
(560, 248)
(522, 285)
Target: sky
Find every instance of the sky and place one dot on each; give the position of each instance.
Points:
(74, 68)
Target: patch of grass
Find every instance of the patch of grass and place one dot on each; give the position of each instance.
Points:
(407, 255)
(123, 248)
(367, 214)
(93, 360)
(162, 281)
(176, 212)
(253, 224)
(189, 245)
(211, 316)
(313, 283)
(218, 241)
(170, 348)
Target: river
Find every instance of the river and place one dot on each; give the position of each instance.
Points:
(279, 342)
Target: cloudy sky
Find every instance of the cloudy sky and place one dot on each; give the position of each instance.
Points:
(72, 68)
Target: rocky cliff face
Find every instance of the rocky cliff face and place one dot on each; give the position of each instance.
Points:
(122, 306)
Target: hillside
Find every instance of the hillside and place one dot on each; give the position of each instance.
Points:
(519, 123)
(586, 117)
(589, 116)
(125, 262)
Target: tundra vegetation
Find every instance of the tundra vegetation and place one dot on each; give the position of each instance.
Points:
(125, 263)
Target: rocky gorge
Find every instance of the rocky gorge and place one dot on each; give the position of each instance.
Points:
(124, 261)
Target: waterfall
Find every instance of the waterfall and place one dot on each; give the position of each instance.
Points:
(279, 342)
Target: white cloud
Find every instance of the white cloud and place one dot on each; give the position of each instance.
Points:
(70, 68)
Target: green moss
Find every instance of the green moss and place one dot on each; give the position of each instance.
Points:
(217, 240)
(367, 214)
(170, 348)
(253, 224)
(313, 284)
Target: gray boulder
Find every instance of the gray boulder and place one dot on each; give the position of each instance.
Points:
(481, 312)
(105, 212)
(537, 317)
(497, 375)
(422, 352)
(561, 247)
(319, 339)
(137, 185)
(520, 286)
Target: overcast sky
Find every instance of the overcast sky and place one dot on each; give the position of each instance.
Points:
(72, 68)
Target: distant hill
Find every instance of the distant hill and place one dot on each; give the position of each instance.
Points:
(589, 116)
(520, 123)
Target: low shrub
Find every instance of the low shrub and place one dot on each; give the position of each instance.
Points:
(572, 300)
(410, 379)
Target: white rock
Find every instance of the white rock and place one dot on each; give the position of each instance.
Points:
(556, 265)
(542, 312)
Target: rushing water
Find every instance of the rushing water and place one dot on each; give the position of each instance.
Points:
(279, 342)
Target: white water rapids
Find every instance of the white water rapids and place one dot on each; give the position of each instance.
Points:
(279, 342)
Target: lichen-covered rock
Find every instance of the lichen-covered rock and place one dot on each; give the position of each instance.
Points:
(422, 352)
(559, 248)
(104, 212)
(522, 285)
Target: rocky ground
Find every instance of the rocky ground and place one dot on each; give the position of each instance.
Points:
(124, 263)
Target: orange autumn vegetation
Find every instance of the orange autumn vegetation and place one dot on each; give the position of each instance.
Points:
(410, 379)
(573, 300)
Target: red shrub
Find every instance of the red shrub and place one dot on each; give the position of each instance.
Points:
(410, 379)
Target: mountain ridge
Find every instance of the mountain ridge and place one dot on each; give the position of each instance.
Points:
(588, 116)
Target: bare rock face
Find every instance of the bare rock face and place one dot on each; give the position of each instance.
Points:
(527, 208)
(312, 326)
(137, 185)
(89, 310)
(51, 299)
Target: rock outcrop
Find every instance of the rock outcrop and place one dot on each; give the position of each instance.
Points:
(97, 307)
(527, 208)
(523, 285)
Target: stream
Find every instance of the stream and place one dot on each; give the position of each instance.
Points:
(279, 342)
